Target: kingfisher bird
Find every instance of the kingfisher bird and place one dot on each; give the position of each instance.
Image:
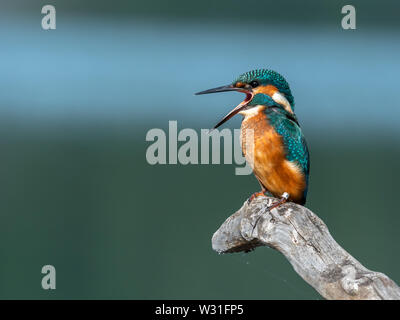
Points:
(279, 154)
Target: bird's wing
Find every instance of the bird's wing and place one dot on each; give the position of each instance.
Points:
(295, 143)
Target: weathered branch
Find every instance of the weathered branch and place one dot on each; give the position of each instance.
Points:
(305, 241)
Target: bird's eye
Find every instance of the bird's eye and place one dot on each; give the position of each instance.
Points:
(254, 84)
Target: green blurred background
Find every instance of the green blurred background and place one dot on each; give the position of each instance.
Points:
(76, 104)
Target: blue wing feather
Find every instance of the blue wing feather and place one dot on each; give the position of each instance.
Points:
(295, 145)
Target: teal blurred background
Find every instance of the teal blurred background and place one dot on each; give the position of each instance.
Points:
(76, 104)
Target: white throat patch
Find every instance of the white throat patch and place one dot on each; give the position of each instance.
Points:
(251, 112)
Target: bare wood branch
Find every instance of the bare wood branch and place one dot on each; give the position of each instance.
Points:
(305, 241)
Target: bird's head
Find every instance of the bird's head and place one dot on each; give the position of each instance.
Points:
(262, 87)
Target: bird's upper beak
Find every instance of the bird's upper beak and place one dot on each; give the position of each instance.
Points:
(236, 110)
(228, 87)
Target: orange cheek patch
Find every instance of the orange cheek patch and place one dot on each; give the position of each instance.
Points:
(268, 89)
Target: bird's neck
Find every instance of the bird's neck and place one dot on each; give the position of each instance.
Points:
(278, 112)
(271, 112)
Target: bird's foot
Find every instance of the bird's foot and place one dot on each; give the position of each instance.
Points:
(258, 194)
(284, 198)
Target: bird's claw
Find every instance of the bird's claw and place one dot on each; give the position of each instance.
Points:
(255, 195)
(284, 197)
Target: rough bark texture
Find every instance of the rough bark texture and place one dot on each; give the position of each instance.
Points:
(305, 241)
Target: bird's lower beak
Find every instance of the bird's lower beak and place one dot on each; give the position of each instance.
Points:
(242, 105)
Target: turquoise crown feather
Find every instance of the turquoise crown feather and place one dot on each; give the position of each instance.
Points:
(266, 76)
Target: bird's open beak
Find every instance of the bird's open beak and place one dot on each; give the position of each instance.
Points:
(242, 105)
